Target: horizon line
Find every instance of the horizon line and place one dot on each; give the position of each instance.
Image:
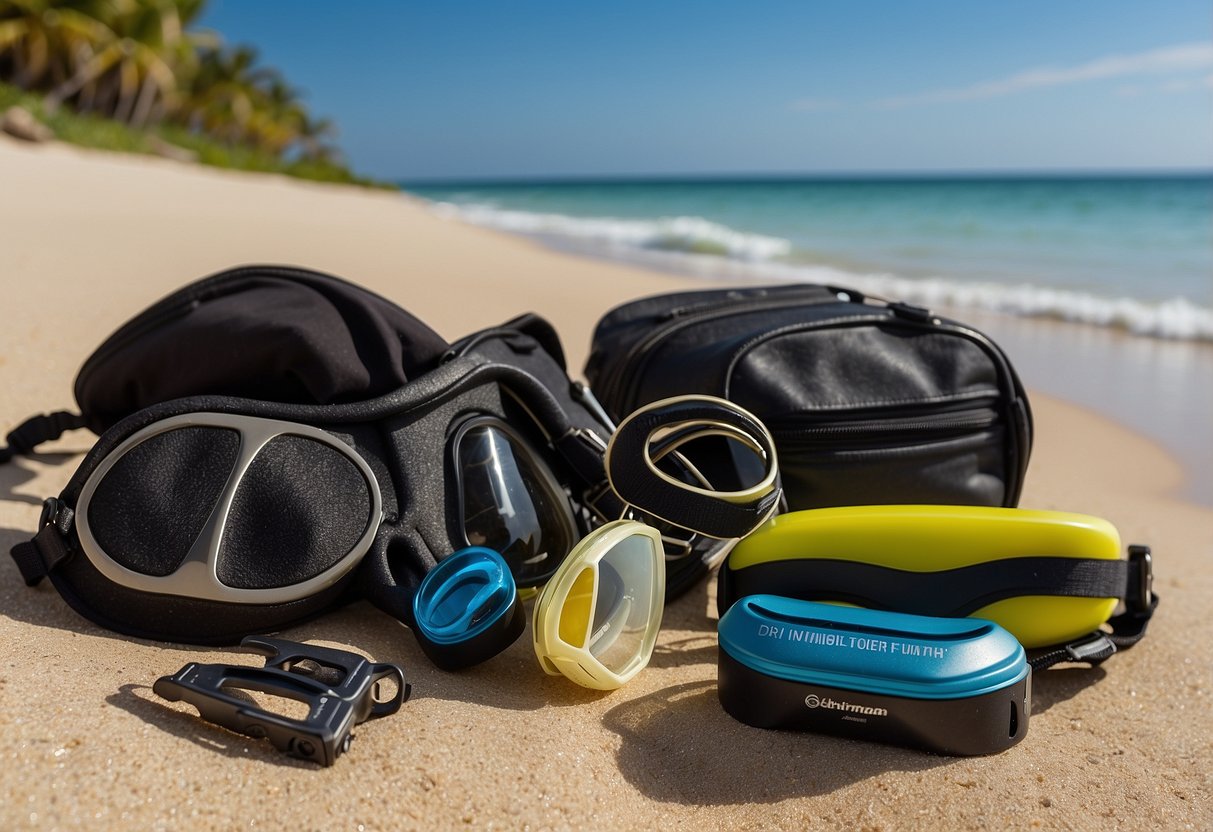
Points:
(738, 177)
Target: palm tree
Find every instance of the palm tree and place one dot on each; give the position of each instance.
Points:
(234, 99)
(140, 49)
(221, 97)
(140, 62)
(278, 117)
(315, 139)
(43, 39)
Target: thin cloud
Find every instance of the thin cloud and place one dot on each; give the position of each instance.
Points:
(1171, 59)
(1171, 85)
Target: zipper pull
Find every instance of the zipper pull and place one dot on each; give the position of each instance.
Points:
(903, 310)
(910, 312)
(847, 295)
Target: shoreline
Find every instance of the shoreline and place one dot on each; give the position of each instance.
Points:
(925, 241)
(1157, 386)
(89, 239)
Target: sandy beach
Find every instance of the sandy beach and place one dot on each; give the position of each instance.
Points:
(88, 239)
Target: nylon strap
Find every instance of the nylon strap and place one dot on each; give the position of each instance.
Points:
(638, 485)
(1128, 628)
(36, 558)
(950, 592)
(38, 429)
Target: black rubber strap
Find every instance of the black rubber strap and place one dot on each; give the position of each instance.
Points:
(36, 558)
(29, 562)
(639, 486)
(950, 592)
(1128, 628)
(38, 429)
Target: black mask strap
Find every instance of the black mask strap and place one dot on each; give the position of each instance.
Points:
(35, 430)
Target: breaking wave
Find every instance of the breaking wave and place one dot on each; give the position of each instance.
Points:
(699, 246)
(692, 235)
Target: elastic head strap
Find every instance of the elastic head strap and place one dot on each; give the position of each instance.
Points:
(658, 430)
(35, 430)
(1127, 627)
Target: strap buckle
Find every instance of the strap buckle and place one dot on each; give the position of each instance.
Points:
(1093, 649)
(50, 512)
(603, 503)
(1142, 562)
(338, 687)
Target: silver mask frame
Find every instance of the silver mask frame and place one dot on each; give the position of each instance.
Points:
(197, 576)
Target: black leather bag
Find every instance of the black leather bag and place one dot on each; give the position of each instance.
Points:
(870, 402)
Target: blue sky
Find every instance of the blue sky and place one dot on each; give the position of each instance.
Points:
(437, 90)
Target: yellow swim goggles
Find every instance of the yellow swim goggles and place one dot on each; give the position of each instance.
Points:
(597, 619)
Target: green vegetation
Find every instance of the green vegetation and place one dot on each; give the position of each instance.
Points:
(131, 75)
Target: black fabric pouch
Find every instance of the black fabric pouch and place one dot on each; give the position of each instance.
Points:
(275, 441)
(261, 332)
(869, 401)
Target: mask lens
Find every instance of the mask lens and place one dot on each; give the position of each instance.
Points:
(512, 503)
(596, 620)
(624, 610)
(575, 614)
(229, 508)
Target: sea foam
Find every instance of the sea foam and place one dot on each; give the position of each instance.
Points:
(1176, 318)
(699, 246)
(686, 234)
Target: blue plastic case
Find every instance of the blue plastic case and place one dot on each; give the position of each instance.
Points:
(959, 686)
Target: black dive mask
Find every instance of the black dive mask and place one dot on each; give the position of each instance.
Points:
(275, 441)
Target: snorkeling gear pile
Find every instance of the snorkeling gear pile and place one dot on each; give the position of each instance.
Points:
(275, 442)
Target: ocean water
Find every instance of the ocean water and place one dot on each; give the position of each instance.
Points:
(1128, 252)
(1128, 260)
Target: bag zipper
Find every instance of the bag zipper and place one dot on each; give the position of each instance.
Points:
(732, 303)
(912, 317)
(679, 318)
(944, 423)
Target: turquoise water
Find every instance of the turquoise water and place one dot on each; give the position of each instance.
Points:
(1128, 252)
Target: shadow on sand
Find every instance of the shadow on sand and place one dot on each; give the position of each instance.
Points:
(511, 681)
(14, 473)
(679, 746)
(678, 743)
(139, 701)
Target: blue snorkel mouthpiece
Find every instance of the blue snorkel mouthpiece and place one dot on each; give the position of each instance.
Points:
(467, 609)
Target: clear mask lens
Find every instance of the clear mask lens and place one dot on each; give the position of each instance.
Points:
(623, 608)
(512, 503)
(597, 619)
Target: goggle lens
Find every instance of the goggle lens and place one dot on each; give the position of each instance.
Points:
(575, 614)
(596, 621)
(512, 503)
(229, 508)
(623, 608)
